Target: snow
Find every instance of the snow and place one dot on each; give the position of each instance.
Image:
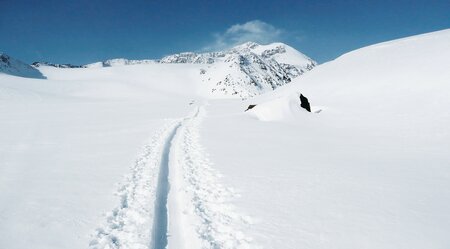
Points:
(145, 156)
(66, 143)
(118, 62)
(280, 109)
(369, 171)
(241, 72)
(283, 53)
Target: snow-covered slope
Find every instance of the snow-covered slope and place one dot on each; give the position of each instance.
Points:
(371, 170)
(402, 77)
(243, 71)
(11, 66)
(68, 141)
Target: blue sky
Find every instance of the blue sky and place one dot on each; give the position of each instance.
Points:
(86, 31)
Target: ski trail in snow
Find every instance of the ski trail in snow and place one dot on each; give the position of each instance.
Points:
(159, 238)
(200, 215)
(130, 224)
(173, 198)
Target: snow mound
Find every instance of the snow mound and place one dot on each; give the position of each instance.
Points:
(11, 66)
(278, 109)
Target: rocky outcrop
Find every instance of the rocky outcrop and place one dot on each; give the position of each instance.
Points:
(11, 66)
(304, 103)
(250, 107)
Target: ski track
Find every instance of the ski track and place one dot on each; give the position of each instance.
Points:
(159, 230)
(130, 224)
(141, 221)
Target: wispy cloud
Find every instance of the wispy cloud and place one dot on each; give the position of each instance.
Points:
(255, 31)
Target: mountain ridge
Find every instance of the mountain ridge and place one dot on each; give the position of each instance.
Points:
(245, 70)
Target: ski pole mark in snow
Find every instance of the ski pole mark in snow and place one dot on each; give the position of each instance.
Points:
(173, 198)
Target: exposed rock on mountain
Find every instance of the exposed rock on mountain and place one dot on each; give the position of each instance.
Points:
(245, 70)
(11, 66)
(248, 69)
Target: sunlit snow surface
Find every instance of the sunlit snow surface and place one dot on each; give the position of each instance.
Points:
(370, 170)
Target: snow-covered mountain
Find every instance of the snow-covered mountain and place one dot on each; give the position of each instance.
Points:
(48, 64)
(249, 69)
(11, 66)
(245, 70)
(118, 62)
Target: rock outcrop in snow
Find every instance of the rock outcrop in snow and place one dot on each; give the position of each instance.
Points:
(304, 103)
(11, 66)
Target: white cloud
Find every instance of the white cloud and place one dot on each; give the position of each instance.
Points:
(255, 31)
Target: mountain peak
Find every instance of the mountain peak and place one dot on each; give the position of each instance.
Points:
(246, 45)
(245, 70)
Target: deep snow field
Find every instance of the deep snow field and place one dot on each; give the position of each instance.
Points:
(142, 156)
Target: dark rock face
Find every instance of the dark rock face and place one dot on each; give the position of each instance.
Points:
(250, 107)
(4, 58)
(305, 103)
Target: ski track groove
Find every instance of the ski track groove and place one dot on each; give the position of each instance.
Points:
(129, 225)
(160, 222)
(141, 219)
